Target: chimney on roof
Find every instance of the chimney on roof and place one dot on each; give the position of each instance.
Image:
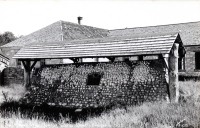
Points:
(79, 20)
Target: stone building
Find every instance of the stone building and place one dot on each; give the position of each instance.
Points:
(148, 72)
(189, 66)
(142, 64)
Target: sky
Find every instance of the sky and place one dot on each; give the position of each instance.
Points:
(24, 17)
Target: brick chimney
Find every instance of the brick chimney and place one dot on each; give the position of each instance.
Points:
(79, 20)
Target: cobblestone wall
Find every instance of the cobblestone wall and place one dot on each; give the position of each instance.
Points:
(121, 83)
(12, 75)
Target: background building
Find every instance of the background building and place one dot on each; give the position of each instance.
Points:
(65, 31)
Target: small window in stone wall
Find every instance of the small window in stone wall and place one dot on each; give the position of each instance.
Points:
(197, 60)
(94, 79)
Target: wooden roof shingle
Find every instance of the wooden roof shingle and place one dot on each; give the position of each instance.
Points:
(100, 47)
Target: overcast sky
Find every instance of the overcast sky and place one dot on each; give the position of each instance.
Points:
(23, 17)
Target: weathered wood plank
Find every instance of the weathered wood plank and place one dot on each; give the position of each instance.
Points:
(27, 72)
(173, 74)
(102, 47)
(102, 44)
(95, 52)
(91, 50)
(116, 46)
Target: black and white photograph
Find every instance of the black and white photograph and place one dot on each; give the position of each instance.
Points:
(99, 63)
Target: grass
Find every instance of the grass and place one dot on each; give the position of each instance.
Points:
(14, 92)
(190, 91)
(147, 115)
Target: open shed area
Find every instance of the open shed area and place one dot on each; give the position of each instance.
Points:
(147, 71)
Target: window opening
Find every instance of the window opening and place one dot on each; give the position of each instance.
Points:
(181, 63)
(94, 79)
(197, 60)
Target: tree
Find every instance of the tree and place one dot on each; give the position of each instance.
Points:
(7, 37)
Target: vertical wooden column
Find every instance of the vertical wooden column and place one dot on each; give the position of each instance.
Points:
(61, 61)
(96, 59)
(27, 71)
(166, 60)
(0, 79)
(80, 60)
(173, 74)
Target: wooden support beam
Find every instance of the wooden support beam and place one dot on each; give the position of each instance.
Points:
(140, 58)
(96, 59)
(1, 83)
(173, 74)
(32, 66)
(61, 61)
(75, 60)
(24, 64)
(112, 59)
(80, 60)
(42, 62)
(27, 71)
(166, 61)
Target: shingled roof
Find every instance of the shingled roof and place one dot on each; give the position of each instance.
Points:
(2, 56)
(63, 31)
(59, 31)
(100, 47)
(189, 32)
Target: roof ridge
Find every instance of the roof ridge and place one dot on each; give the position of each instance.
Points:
(56, 32)
(155, 25)
(83, 25)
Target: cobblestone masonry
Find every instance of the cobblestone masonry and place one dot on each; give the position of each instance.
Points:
(121, 83)
(12, 75)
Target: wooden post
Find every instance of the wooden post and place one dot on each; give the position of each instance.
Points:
(166, 60)
(0, 79)
(75, 60)
(61, 61)
(27, 72)
(111, 59)
(80, 60)
(173, 74)
(96, 59)
(140, 58)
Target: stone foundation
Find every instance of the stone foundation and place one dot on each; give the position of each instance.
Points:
(121, 83)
